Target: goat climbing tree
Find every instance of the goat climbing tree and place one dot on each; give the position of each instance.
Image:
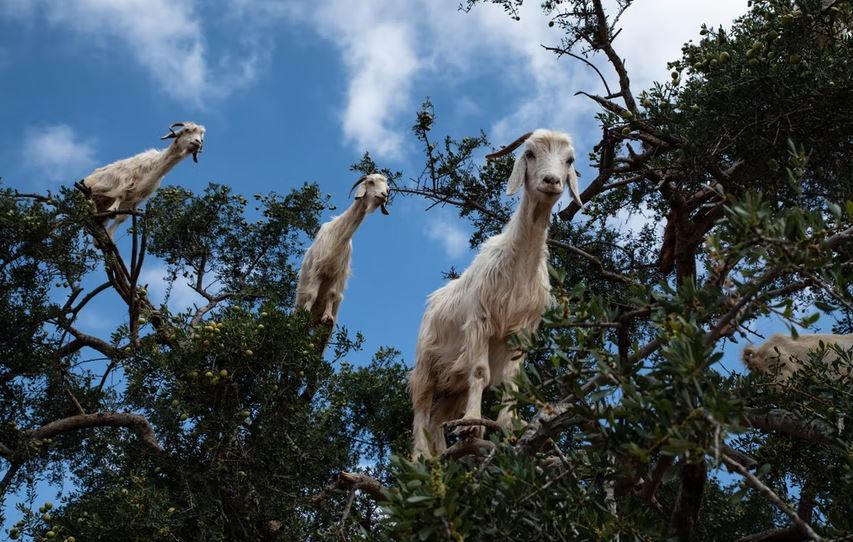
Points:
(740, 164)
(226, 422)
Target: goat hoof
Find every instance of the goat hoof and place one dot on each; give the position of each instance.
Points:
(327, 320)
(469, 432)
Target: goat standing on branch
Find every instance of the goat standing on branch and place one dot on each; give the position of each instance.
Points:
(326, 266)
(462, 346)
(124, 184)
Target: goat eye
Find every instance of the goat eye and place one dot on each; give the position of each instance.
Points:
(529, 154)
(571, 160)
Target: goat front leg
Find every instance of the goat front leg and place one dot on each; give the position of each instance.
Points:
(476, 360)
(114, 206)
(117, 221)
(333, 303)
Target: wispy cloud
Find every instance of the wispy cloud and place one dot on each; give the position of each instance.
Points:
(165, 37)
(56, 153)
(449, 234)
(654, 36)
(388, 53)
(378, 50)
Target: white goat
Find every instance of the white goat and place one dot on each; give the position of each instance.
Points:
(787, 355)
(462, 346)
(124, 184)
(326, 266)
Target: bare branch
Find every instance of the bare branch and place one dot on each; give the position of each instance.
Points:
(469, 446)
(768, 493)
(134, 422)
(357, 481)
(468, 422)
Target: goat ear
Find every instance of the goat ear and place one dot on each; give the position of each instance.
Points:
(361, 189)
(573, 186)
(516, 179)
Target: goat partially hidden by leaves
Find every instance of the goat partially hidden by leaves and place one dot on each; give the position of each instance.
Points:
(783, 356)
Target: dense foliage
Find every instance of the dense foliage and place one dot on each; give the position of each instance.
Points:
(233, 422)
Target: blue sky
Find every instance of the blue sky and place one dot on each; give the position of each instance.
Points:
(296, 91)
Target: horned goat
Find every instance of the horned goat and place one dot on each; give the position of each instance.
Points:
(783, 356)
(124, 184)
(462, 345)
(326, 265)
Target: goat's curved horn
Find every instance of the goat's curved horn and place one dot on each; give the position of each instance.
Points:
(509, 148)
(358, 182)
(178, 124)
(171, 135)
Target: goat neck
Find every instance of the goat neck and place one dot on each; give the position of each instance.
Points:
(167, 159)
(350, 220)
(528, 226)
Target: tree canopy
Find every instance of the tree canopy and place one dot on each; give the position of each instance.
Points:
(235, 421)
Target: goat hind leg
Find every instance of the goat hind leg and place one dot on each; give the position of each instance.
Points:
(422, 395)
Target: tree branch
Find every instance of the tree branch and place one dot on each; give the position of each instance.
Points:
(357, 481)
(134, 422)
(788, 424)
(768, 493)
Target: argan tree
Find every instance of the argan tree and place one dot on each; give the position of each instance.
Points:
(216, 423)
(741, 163)
(226, 422)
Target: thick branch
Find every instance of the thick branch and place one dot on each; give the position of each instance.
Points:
(134, 422)
(553, 418)
(685, 513)
(353, 480)
(788, 424)
(469, 446)
(650, 486)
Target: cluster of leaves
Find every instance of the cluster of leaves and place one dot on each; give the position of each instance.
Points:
(249, 418)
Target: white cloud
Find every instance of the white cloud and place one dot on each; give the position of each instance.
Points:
(165, 37)
(653, 36)
(57, 153)
(449, 234)
(378, 52)
(390, 48)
